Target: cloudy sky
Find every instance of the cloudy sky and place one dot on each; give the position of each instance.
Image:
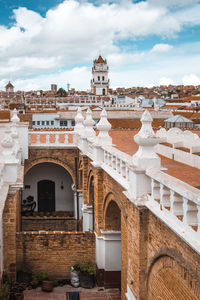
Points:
(146, 43)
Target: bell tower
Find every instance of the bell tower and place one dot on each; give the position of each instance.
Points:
(100, 81)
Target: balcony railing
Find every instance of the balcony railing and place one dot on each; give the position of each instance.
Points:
(55, 138)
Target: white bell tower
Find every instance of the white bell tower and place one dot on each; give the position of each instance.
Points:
(100, 81)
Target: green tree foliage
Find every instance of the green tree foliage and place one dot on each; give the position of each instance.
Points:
(61, 92)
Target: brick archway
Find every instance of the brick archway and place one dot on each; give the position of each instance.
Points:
(112, 216)
(37, 161)
(168, 279)
(112, 196)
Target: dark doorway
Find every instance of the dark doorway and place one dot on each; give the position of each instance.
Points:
(46, 196)
(92, 199)
(104, 91)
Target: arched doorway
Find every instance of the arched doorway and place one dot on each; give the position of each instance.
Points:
(104, 92)
(51, 181)
(168, 280)
(46, 196)
(91, 199)
(113, 217)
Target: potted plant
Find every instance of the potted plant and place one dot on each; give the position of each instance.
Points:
(87, 275)
(47, 284)
(5, 291)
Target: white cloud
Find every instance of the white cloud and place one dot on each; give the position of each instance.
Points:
(172, 3)
(161, 48)
(191, 79)
(73, 33)
(165, 81)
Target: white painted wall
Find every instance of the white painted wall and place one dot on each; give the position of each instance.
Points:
(49, 171)
(108, 250)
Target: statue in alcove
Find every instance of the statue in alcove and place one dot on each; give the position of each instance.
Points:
(28, 204)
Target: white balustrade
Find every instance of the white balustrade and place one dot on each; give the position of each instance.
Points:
(44, 138)
(177, 204)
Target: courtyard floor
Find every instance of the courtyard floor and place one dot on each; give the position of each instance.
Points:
(59, 293)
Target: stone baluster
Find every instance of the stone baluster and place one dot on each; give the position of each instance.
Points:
(190, 211)
(155, 190)
(56, 138)
(176, 202)
(165, 197)
(29, 138)
(38, 138)
(47, 138)
(127, 171)
(66, 142)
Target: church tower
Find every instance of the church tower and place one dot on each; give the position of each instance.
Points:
(100, 81)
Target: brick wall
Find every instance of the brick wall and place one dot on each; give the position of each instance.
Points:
(10, 226)
(159, 260)
(132, 124)
(169, 280)
(54, 252)
(26, 118)
(48, 224)
(143, 238)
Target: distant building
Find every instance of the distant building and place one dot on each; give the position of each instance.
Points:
(54, 88)
(178, 121)
(100, 81)
(9, 87)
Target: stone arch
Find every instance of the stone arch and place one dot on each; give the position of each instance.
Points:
(113, 196)
(51, 160)
(170, 277)
(113, 217)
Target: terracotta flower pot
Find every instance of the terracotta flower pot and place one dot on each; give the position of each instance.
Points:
(47, 286)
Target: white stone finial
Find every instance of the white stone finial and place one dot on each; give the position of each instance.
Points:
(15, 117)
(146, 157)
(79, 119)
(89, 123)
(104, 126)
(7, 143)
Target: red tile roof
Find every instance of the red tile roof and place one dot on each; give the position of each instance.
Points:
(123, 139)
(100, 60)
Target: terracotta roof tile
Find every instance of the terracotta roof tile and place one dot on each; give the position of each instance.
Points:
(123, 139)
(100, 60)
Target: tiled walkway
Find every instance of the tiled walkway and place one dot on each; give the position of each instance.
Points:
(59, 293)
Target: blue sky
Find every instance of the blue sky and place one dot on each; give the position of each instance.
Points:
(53, 41)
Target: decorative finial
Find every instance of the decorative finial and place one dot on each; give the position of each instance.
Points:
(15, 118)
(79, 119)
(146, 157)
(7, 143)
(104, 126)
(89, 123)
